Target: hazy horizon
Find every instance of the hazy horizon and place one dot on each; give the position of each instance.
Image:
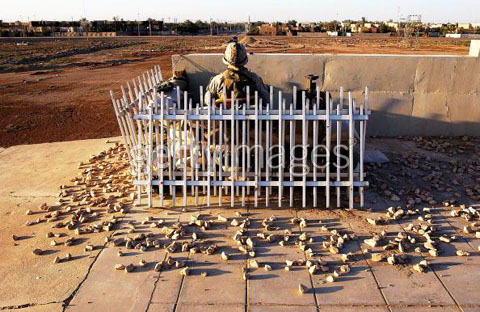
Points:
(266, 10)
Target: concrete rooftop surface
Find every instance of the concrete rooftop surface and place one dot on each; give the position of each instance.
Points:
(77, 210)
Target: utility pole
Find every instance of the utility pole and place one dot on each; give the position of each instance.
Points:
(138, 24)
(336, 23)
(211, 29)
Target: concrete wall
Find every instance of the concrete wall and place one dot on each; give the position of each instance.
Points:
(474, 48)
(409, 95)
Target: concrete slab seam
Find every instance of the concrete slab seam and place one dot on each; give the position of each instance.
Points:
(309, 275)
(155, 286)
(27, 305)
(384, 296)
(75, 291)
(247, 297)
(460, 234)
(66, 301)
(175, 305)
(436, 275)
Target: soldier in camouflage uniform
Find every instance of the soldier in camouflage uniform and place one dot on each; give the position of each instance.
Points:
(235, 78)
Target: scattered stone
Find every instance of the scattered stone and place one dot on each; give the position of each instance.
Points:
(204, 274)
(119, 267)
(254, 264)
(89, 248)
(445, 239)
(222, 218)
(37, 251)
(224, 256)
(56, 260)
(370, 242)
(377, 257)
(395, 197)
(392, 260)
(142, 263)
(462, 253)
(185, 271)
(267, 267)
(333, 250)
(302, 289)
(158, 267)
(330, 279)
(344, 269)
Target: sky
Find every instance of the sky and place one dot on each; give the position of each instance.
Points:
(239, 11)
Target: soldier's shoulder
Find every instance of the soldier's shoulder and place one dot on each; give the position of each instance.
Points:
(217, 78)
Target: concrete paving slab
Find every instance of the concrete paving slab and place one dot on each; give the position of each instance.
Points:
(28, 178)
(159, 307)
(168, 287)
(132, 291)
(352, 309)
(462, 282)
(38, 170)
(210, 308)
(106, 288)
(423, 289)
(223, 285)
(426, 309)
(283, 308)
(28, 278)
(262, 284)
(356, 287)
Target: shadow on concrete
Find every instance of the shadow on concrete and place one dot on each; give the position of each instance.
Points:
(326, 290)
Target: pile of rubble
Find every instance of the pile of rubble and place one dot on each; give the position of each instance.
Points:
(95, 201)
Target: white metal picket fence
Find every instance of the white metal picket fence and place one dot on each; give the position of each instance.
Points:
(247, 152)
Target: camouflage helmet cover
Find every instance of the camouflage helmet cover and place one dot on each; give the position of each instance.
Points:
(235, 54)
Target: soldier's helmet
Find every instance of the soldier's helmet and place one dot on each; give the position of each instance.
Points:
(235, 53)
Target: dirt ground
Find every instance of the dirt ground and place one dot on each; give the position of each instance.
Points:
(58, 89)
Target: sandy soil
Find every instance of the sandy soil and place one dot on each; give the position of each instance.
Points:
(58, 89)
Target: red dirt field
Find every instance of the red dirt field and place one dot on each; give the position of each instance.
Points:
(58, 89)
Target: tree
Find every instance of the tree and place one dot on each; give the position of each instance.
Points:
(254, 30)
(383, 28)
(188, 27)
(85, 24)
(292, 23)
(116, 20)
